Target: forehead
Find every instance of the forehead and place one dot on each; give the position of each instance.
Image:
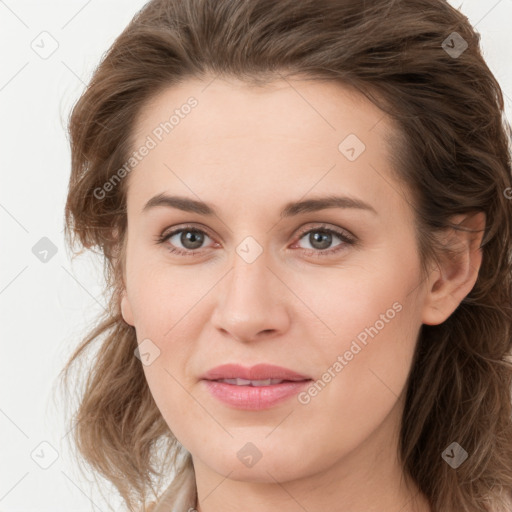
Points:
(309, 109)
(238, 138)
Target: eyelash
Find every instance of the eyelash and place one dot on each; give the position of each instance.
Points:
(344, 237)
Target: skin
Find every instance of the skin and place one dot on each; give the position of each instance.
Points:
(248, 151)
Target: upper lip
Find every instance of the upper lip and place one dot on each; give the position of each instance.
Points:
(257, 372)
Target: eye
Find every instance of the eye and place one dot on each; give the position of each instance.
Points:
(191, 238)
(319, 239)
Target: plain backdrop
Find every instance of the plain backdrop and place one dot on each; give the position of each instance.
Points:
(47, 301)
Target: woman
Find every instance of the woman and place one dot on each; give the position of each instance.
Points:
(304, 210)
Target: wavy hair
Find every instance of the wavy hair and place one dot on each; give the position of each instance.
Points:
(453, 151)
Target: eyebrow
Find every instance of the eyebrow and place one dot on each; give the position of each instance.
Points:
(291, 209)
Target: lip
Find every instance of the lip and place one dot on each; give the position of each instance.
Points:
(253, 397)
(257, 372)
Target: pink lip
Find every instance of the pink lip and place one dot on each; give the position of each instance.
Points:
(258, 372)
(254, 397)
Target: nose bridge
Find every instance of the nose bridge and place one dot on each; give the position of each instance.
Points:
(250, 301)
(249, 284)
(250, 276)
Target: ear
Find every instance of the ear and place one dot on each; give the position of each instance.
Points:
(126, 309)
(457, 271)
(118, 256)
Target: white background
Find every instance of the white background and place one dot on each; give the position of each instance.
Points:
(47, 306)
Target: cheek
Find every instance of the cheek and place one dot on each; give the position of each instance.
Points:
(162, 294)
(364, 356)
(363, 372)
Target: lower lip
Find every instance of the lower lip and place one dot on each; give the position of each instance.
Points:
(254, 397)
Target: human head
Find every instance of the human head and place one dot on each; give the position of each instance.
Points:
(448, 171)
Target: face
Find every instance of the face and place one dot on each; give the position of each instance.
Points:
(332, 293)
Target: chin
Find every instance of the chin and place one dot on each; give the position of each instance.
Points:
(271, 466)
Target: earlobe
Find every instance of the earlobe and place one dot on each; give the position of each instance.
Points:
(457, 271)
(126, 309)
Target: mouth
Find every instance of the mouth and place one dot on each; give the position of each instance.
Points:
(258, 375)
(256, 383)
(259, 387)
(251, 396)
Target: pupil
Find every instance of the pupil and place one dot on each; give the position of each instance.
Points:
(191, 237)
(318, 236)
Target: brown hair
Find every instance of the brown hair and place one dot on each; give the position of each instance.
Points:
(453, 152)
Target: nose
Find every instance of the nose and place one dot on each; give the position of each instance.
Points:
(252, 302)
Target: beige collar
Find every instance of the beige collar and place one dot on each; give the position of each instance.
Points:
(180, 496)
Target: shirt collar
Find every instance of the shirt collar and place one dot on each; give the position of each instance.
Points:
(181, 495)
